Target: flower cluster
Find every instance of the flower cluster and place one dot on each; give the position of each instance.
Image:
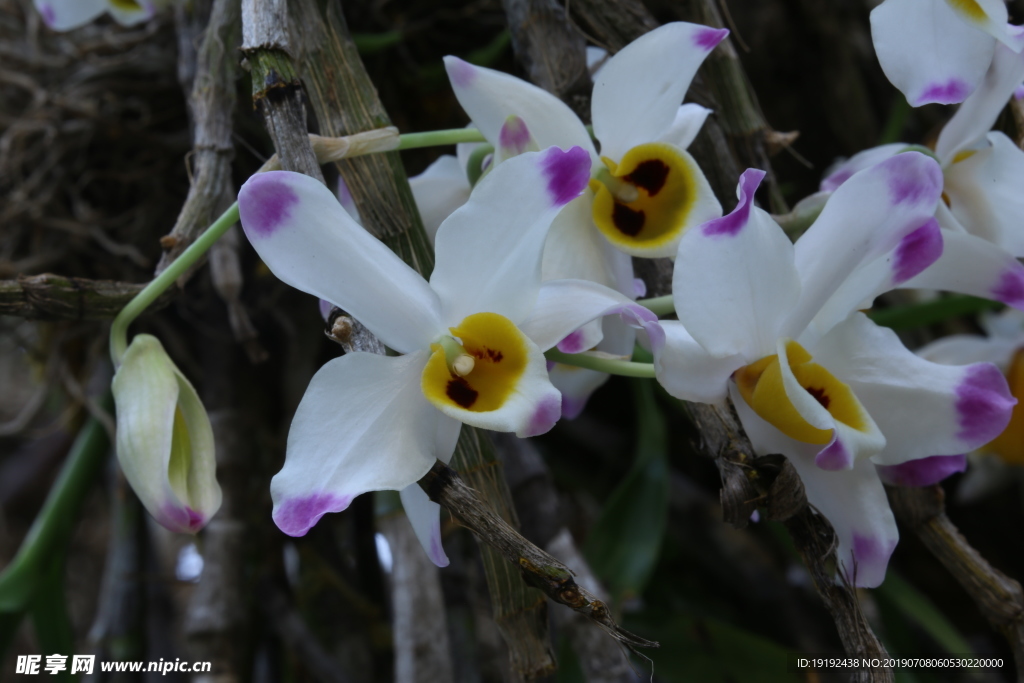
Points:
(534, 234)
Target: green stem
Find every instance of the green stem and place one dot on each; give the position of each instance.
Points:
(119, 329)
(436, 138)
(659, 305)
(610, 365)
(54, 522)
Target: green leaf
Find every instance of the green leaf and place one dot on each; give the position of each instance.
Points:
(624, 544)
(916, 607)
(713, 651)
(52, 527)
(931, 312)
(49, 612)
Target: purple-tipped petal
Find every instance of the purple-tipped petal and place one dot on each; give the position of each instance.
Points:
(917, 251)
(911, 179)
(870, 558)
(180, 519)
(730, 225)
(641, 318)
(1010, 288)
(923, 471)
(296, 516)
(265, 203)
(567, 173)
(639, 287)
(834, 457)
(708, 38)
(49, 16)
(574, 343)
(461, 73)
(514, 137)
(984, 404)
(544, 416)
(951, 92)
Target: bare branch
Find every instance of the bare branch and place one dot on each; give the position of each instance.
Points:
(998, 597)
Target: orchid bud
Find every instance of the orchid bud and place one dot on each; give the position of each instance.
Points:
(164, 439)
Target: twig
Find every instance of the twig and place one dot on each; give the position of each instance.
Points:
(520, 612)
(998, 597)
(56, 297)
(537, 502)
(538, 568)
(212, 103)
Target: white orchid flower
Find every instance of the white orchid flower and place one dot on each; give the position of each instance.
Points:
(64, 15)
(472, 339)
(769, 324)
(164, 438)
(981, 200)
(645, 188)
(937, 51)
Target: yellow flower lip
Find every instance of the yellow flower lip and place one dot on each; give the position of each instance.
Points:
(642, 202)
(479, 372)
(762, 386)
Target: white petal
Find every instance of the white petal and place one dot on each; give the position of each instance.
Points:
(961, 349)
(689, 372)
(854, 502)
(438, 191)
(923, 408)
(638, 92)
(927, 52)
(489, 250)
(490, 97)
(915, 252)
(984, 193)
(576, 250)
(425, 517)
(566, 305)
(363, 425)
(64, 15)
(596, 57)
(970, 265)
(308, 241)
(979, 112)
(734, 279)
(866, 217)
(689, 119)
(841, 172)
